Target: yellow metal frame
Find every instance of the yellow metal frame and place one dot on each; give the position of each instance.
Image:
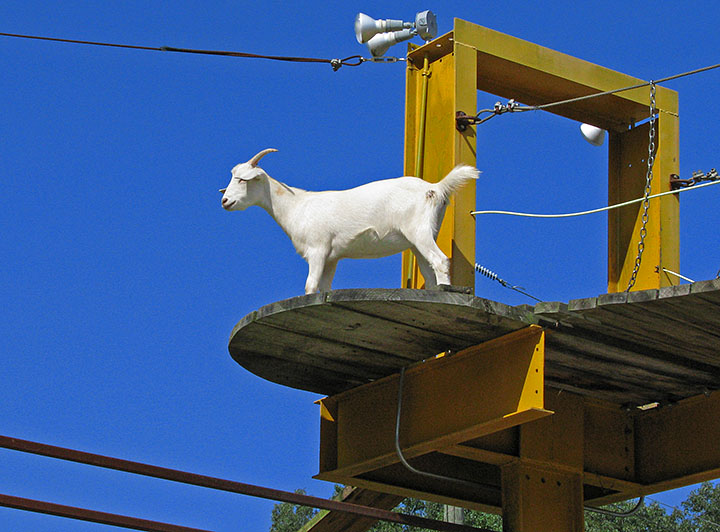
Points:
(472, 58)
(436, 87)
(537, 454)
(447, 401)
(484, 415)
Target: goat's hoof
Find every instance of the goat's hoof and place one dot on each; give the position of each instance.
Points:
(454, 288)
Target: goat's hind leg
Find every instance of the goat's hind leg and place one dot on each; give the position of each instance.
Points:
(425, 269)
(430, 256)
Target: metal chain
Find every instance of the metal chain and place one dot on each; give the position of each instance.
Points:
(648, 184)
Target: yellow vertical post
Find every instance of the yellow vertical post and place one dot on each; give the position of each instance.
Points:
(541, 499)
(543, 490)
(433, 146)
(627, 172)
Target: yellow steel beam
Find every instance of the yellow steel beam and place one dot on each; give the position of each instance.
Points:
(617, 453)
(678, 445)
(483, 499)
(621, 453)
(435, 89)
(557, 440)
(608, 444)
(534, 75)
(446, 401)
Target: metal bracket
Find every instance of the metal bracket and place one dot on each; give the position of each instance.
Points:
(463, 121)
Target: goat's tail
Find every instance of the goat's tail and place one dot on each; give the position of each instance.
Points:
(457, 177)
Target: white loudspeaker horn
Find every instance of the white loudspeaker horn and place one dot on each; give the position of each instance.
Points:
(367, 27)
(426, 25)
(594, 135)
(380, 43)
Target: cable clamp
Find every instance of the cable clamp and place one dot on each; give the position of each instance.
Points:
(697, 177)
(462, 120)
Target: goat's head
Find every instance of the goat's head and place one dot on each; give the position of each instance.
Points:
(244, 188)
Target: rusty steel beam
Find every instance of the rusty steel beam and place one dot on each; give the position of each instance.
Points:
(194, 479)
(82, 514)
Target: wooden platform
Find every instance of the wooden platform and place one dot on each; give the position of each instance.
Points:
(627, 348)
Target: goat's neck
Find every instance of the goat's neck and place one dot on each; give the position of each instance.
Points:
(280, 201)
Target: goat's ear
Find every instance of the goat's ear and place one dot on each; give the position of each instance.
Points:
(256, 159)
(222, 190)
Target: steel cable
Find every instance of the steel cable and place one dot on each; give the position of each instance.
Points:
(353, 60)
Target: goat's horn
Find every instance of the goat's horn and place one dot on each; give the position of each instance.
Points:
(254, 161)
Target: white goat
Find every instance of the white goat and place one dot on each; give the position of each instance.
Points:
(373, 220)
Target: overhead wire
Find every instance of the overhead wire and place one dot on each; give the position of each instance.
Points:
(615, 91)
(495, 277)
(512, 106)
(353, 60)
(679, 276)
(492, 275)
(593, 211)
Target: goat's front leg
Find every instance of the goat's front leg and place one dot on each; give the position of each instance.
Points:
(327, 275)
(317, 263)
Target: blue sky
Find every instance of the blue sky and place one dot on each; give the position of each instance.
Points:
(122, 277)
